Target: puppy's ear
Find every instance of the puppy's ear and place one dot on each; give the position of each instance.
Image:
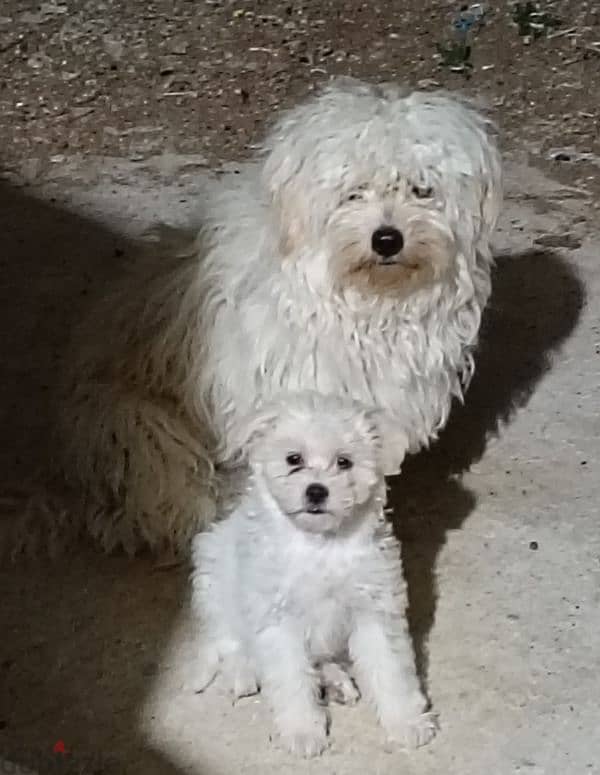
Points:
(246, 433)
(392, 440)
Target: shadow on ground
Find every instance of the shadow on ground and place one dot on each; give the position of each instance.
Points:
(535, 304)
(53, 264)
(81, 639)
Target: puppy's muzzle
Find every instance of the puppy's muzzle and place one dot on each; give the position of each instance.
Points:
(316, 494)
(387, 242)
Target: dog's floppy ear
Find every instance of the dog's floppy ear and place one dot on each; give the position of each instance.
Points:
(392, 440)
(247, 431)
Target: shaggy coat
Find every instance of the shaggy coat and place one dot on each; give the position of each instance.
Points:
(282, 291)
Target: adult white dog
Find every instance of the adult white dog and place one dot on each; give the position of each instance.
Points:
(305, 576)
(353, 260)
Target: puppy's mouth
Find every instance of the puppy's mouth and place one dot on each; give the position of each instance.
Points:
(316, 519)
(312, 510)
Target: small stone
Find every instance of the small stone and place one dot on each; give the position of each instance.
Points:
(178, 46)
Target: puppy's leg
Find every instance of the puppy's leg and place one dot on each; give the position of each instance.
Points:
(221, 626)
(291, 685)
(240, 674)
(206, 668)
(339, 686)
(385, 668)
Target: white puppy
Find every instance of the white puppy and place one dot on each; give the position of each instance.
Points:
(306, 572)
(353, 260)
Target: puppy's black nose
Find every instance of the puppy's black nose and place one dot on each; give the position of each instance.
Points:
(387, 241)
(316, 493)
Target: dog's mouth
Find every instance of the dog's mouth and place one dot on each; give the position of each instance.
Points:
(394, 261)
(315, 510)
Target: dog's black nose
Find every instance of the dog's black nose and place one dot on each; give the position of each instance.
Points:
(387, 241)
(316, 493)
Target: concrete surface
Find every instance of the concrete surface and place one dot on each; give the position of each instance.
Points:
(499, 520)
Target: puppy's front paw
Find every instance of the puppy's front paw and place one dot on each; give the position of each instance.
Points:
(245, 683)
(415, 732)
(305, 736)
(202, 676)
(240, 676)
(338, 685)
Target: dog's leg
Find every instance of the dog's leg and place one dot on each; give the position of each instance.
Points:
(291, 685)
(145, 473)
(385, 668)
(339, 686)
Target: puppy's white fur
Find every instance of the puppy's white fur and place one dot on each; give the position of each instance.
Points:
(283, 291)
(284, 587)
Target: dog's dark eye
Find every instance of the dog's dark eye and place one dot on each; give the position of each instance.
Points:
(354, 197)
(344, 463)
(422, 192)
(294, 460)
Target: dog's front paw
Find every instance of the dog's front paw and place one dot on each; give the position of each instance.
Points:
(306, 736)
(414, 732)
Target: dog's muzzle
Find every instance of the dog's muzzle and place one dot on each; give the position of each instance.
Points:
(387, 242)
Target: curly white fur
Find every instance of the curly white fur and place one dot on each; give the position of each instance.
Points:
(288, 585)
(282, 291)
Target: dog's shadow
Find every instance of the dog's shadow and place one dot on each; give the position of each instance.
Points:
(82, 638)
(536, 301)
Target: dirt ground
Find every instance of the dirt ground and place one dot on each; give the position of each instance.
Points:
(136, 78)
(113, 116)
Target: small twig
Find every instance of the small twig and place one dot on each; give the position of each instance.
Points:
(178, 94)
(561, 33)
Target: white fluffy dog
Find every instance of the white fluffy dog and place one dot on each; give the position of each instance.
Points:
(354, 260)
(306, 572)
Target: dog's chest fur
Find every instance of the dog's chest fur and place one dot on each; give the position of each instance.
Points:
(268, 326)
(283, 337)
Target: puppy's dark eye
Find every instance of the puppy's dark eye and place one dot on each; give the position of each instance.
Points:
(356, 196)
(422, 192)
(294, 460)
(344, 463)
